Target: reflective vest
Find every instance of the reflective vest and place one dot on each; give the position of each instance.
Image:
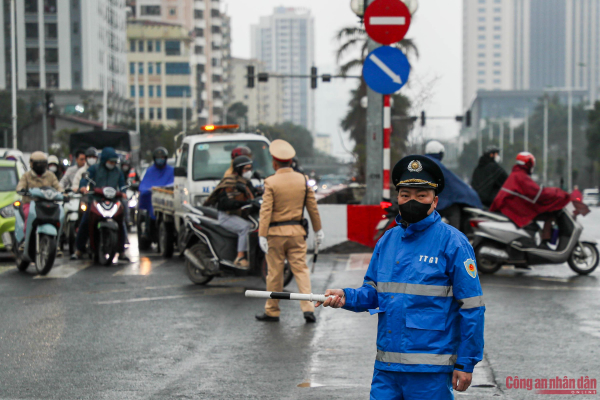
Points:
(422, 283)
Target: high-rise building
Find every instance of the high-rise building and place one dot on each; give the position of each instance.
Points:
(162, 54)
(530, 45)
(204, 20)
(68, 47)
(284, 42)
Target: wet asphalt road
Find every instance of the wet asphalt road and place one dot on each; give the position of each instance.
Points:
(143, 331)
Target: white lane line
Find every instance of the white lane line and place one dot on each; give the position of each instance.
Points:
(63, 271)
(6, 269)
(207, 292)
(577, 288)
(387, 21)
(141, 268)
(386, 69)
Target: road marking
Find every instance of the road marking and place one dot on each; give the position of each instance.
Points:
(387, 21)
(205, 292)
(6, 269)
(386, 69)
(143, 267)
(358, 262)
(581, 288)
(64, 271)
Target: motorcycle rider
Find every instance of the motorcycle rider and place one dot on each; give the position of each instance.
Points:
(488, 176)
(238, 151)
(457, 193)
(522, 200)
(231, 194)
(79, 161)
(54, 167)
(37, 177)
(91, 158)
(127, 171)
(158, 174)
(103, 174)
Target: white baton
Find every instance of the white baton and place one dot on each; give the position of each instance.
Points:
(286, 296)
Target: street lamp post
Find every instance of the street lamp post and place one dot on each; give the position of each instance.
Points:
(526, 140)
(13, 71)
(545, 140)
(570, 144)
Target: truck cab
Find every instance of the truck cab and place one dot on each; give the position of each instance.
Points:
(202, 161)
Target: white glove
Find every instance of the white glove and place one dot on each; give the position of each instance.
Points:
(264, 244)
(320, 236)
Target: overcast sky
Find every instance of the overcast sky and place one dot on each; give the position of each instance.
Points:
(436, 75)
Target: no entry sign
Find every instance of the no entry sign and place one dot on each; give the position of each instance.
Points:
(387, 21)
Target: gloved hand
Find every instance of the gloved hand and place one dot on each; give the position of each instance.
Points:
(264, 244)
(320, 236)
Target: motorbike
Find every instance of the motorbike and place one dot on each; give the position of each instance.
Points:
(132, 202)
(497, 241)
(72, 219)
(209, 249)
(38, 243)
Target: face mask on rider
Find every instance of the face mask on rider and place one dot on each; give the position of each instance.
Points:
(111, 165)
(247, 175)
(91, 161)
(497, 158)
(160, 162)
(414, 211)
(53, 168)
(125, 168)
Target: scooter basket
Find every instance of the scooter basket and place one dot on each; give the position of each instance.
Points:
(47, 212)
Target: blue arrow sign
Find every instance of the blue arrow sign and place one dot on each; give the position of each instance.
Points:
(386, 70)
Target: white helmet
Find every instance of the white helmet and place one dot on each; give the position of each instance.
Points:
(53, 160)
(434, 147)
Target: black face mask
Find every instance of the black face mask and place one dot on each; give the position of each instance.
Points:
(39, 168)
(413, 211)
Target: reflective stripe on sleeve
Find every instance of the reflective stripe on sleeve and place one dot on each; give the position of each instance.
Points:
(371, 283)
(471, 302)
(411, 288)
(416, 358)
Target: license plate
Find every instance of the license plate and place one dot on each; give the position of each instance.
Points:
(382, 224)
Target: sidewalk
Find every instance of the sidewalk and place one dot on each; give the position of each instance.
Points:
(344, 348)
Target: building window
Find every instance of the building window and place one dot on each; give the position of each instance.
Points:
(150, 10)
(150, 43)
(497, 72)
(151, 91)
(481, 55)
(497, 28)
(497, 9)
(132, 46)
(481, 73)
(481, 37)
(50, 6)
(158, 91)
(497, 37)
(481, 28)
(497, 19)
(32, 55)
(173, 47)
(481, 81)
(215, 62)
(159, 113)
(199, 50)
(31, 30)
(141, 68)
(199, 32)
(141, 113)
(481, 19)
(141, 46)
(158, 46)
(178, 91)
(177, 113)
(132, 68)
(132, 91)
(481, 64)
(481, 46)
(158, 68)
(50, 31)
(481, 1)
(497, 46)
(199, 14)
(51, 56)
(497, 63)
(151, 113)
(76, 77)
(75, 28)
(497, 81)
(215, 29)
(177, 68)
(481, 9)
(172, 10)
(31, 6)
(497, 55)
(215, 13)
(150, 68)
(76, 51)
(141, 91)
(75, 4)
(33, 80)
(52, 80)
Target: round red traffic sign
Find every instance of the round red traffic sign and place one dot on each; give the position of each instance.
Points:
(387, 21)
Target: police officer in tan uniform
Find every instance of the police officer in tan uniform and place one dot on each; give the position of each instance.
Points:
(281, 234)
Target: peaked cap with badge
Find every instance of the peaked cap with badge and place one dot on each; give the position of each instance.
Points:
(281, 150)
(418, 171)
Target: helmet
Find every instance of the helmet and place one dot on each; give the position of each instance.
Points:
(91, 152)
(39, 162)
(53, 160)
(491, 150)
(160, 152)
(527, 159)
(38, 156)
(240, 162)
(434, 147)
(241, 151)
(12, 155)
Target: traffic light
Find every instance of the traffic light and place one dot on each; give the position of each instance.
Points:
(263, 77)
(49, 103)
(313, 77)
(250, 76)
(326, 77)
(468, 119)
(422, 118)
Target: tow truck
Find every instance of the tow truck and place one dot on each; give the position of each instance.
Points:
(201, 162)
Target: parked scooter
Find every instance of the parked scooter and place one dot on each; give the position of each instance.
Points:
(209, 249)
(498, 241)
(39, 242)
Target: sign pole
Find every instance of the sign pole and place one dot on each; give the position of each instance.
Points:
(387, 133)
(13, 72)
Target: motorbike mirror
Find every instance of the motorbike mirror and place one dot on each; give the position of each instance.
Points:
(257, 175)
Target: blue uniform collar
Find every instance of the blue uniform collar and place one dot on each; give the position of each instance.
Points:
(419, 226)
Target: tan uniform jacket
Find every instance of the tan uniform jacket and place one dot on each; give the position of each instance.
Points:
(283, 200)
(31, 180)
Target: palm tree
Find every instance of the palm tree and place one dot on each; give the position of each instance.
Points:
(355, 121)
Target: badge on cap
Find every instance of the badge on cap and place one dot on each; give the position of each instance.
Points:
(470, 267)
(415, 166)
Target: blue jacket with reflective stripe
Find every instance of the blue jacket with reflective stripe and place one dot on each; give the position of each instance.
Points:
(423, 284)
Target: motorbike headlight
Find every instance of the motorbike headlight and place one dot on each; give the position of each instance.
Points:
(199, 201)
(8, 211)
(83, 207)
(132, 202)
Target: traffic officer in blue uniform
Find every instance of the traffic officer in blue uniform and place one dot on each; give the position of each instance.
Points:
(422, 283)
